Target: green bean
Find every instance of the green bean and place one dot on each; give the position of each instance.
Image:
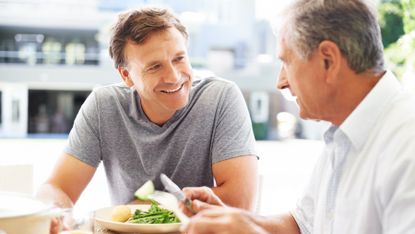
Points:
(154, 215)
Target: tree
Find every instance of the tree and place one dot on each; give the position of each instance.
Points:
(408, 15)
(391, 22)
(400, 54)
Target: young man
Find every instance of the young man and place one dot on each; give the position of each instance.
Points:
(332, 62)
(159, 120)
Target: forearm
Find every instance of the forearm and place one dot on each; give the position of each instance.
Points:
(52, 194)
(282, 224)
(64, 186)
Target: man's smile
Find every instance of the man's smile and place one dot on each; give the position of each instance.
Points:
(173, 90)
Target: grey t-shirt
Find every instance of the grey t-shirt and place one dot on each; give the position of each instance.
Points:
(111, 127)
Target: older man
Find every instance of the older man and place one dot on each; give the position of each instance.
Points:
(332, 62)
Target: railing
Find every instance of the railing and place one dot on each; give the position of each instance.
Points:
(60, 58)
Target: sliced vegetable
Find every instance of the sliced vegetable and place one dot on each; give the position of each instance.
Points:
(145, 190)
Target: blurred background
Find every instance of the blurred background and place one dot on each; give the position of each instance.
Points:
(54, 52)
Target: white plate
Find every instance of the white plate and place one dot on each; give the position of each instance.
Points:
(103, 217)
(16, 205)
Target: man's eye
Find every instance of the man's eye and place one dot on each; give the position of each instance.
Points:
(179, 59)
(153, 68)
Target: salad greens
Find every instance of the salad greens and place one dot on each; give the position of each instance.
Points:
(154, 215)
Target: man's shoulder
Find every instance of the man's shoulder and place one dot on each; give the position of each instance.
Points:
(212, 81)
(109, 91)
(110, 88)
(396, 126)
(402, 107)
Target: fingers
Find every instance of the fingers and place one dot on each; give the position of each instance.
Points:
(203, 194)
(54, 226)
(196, 207)
(212, 221)
(222, 220)
(202, 224)
(199, 193)
(199, 206)
(185, 210)
(64, 222)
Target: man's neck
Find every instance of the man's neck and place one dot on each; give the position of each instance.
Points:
(158, 117)
(350, 94)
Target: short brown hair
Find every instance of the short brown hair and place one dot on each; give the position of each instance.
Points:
(136, 25)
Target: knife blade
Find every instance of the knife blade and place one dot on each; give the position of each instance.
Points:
(172, 188)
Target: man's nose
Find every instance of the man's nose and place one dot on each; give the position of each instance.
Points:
(282, 82)
(172, 74)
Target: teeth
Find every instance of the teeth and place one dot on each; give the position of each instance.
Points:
(172, 91)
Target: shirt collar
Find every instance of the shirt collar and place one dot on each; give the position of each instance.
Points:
(361, 121)
(329, 134)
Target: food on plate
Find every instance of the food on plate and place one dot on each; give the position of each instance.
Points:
(145, 190)
(154, 215)
(121, 213)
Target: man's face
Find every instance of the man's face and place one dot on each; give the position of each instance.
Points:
(160, 71)
(304, 79)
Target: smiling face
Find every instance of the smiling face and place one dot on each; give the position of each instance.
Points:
(160, 71)
(305, 80)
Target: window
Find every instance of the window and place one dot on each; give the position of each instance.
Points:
(53, 111)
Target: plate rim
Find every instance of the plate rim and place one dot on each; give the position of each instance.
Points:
(135, 227)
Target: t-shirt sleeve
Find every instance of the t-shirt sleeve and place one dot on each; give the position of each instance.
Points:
(233, 134)
(84, 141)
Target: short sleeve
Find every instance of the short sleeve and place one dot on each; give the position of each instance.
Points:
(84, 140)
(233, 135)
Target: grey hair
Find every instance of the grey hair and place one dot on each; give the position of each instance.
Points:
(351, 24)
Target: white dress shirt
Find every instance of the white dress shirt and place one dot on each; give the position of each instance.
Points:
(365, 180)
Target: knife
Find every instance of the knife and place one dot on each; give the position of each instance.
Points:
(172, 188)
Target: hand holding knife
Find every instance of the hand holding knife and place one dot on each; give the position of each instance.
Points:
(172, 188)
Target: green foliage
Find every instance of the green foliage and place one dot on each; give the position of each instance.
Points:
(391, 23)
(408, 15)
(399, 54)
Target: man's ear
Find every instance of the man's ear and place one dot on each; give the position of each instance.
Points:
(125, 75)
(331, 57)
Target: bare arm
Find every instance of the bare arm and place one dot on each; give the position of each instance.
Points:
(213, 217)
(67, 181)
(237, 181)
(236, 221)
(281, 224)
